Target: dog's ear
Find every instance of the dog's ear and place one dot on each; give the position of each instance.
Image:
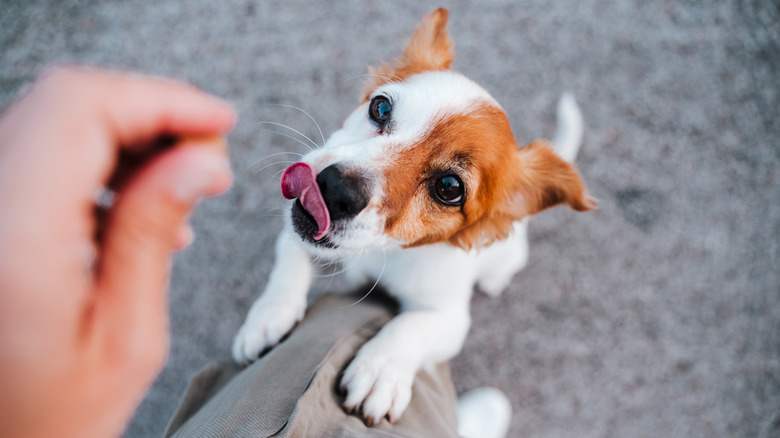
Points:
(535, 179)
(430, 48)
(546, 180)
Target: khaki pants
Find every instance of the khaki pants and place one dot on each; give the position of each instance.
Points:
(292, 391)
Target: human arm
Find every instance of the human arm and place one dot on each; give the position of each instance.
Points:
(83, 324)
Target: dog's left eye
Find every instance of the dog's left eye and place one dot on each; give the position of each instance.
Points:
(449, 190)
(379, 110)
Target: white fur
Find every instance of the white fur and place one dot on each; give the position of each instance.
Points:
(419, 102)
(281, 305)
(433, 283)
(568, 133)
(484, 413)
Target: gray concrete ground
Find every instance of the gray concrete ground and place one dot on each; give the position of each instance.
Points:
(656, 316)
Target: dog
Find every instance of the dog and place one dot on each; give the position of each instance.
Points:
(424, 181)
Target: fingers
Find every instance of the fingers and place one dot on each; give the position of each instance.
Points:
(91, 115)
(135, 109)
(143, 229)
(60, 143)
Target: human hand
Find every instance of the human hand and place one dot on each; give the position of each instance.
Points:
(83, 322)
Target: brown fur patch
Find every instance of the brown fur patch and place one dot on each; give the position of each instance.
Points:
(476, 146)
(548, 181)
(503, 184)
(429, 49)
(536, 179)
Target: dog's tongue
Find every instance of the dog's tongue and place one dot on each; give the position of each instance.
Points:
(300, 181)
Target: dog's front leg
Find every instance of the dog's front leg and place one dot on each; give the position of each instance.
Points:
(282, 304)
(378, 381)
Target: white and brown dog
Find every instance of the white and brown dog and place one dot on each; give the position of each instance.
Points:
(425, 181)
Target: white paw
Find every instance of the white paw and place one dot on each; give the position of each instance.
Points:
(377, 386)
(265, 326)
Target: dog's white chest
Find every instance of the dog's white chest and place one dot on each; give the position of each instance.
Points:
(425, 276)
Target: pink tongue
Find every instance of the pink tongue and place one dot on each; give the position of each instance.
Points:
(300, 181)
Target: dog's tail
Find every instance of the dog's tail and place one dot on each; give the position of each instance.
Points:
(568, 132)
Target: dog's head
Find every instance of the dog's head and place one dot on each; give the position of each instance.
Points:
(427, 157)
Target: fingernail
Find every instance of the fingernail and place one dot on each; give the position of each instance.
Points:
(207, 173)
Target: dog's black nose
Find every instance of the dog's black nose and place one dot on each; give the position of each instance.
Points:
(344, 194)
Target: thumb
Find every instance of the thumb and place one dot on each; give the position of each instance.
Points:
(142, 232)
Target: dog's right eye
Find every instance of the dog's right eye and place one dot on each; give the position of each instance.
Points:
(379, 110)
(449, 190)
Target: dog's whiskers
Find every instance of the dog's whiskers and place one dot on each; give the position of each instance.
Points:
(282, 125)
(277, 173)
(335, 272)
(272, 164)
(379, 277)
(290, 137)
(270, 212)
(308, 115)
(344, 268)
(255, 163)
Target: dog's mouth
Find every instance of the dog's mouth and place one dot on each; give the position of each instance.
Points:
(299, 181)
(306, 226)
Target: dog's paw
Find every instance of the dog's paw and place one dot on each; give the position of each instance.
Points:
(377, 386)
(266, 324)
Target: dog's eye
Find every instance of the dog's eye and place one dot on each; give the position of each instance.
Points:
(449, 190)
(379, 110)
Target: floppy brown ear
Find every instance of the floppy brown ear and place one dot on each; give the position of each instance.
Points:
(430, 48)
(546, 180)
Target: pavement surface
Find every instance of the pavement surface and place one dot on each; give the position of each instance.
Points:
(658, 315)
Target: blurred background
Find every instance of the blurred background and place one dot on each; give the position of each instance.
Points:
(657, 315)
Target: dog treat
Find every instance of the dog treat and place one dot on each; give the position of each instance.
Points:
(132, 159)
(217, 141)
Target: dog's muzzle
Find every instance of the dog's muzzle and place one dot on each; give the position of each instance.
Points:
(333, 195)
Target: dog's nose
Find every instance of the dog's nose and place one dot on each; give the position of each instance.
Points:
(344, 194)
